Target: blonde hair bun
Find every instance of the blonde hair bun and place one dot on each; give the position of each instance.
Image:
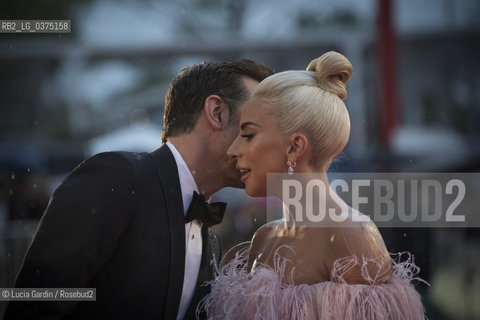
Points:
(332, 72)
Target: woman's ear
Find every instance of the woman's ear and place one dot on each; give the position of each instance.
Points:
(297, 146)
(216, 111)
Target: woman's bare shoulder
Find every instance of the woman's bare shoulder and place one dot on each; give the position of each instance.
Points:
(362, 246)
(265, 230)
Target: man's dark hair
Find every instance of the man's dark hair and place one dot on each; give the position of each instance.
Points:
(191, 87)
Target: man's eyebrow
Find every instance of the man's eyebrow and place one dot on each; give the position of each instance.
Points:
(248, 123)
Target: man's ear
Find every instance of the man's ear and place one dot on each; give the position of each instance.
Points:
(297, 146)
(216, 111)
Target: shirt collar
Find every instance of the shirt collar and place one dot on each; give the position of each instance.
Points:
(187, 182)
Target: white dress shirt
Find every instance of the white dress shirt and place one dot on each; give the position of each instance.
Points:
(193, 234)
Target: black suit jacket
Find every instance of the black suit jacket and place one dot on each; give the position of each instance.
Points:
(116, 224)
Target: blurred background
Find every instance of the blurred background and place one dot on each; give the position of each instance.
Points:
(414, 103)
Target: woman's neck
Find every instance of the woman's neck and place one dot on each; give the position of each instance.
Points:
(311, 202)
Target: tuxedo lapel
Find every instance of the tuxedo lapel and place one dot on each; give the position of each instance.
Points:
(168, 175)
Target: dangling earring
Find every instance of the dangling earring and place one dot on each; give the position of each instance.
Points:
(291, 166)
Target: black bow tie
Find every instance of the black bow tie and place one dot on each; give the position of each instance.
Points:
(209, 214)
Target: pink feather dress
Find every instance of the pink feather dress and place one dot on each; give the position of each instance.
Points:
(263, 293)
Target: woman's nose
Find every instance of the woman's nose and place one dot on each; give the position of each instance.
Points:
(232, 151)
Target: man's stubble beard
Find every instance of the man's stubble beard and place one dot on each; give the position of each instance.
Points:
(232, 174)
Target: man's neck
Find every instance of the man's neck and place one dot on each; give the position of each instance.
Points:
(201, 164)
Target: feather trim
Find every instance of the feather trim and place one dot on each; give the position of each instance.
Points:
(263, 294)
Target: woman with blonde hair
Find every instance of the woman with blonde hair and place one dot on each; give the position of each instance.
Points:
(297, 122)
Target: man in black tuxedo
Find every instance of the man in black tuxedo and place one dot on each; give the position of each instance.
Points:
(117, 222)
